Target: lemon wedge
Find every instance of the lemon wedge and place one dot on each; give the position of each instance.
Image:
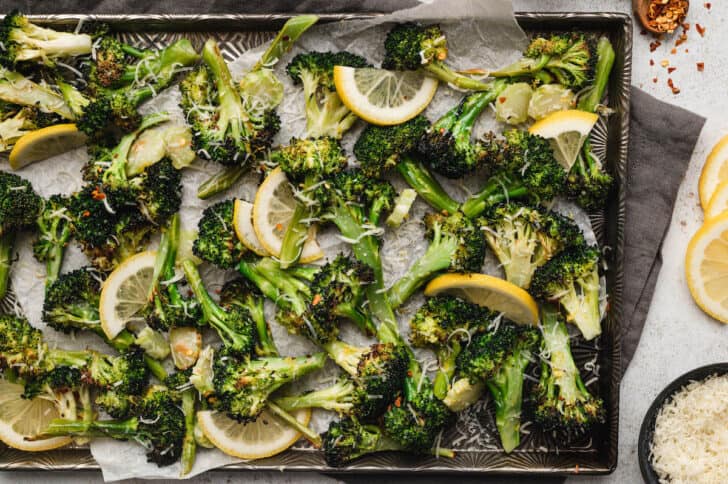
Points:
(715, 172)
(383, 97)
(706, 267)
(21, 418)
(265, 437)
(491, 292)
(125, 292)
(567, 131)
(272, 212)
(44, 143)
(243, 224)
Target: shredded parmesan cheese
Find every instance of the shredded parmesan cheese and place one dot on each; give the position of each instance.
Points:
(690, 444)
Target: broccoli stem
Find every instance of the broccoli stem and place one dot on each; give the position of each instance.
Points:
(221, 181)
(506, 386)
(605, 61)
(446, 357)
(7, 241)
(497, 189)
(309, 434)
(345, 355)
(159, 65)
(189, 445)
(352, 313)
(264, 345)
(446, 74)
(123, 341)
(334, 398)
(426, 186)
(54, 261)
(295, 236)
(265, 286)
(118, 429)
(436, 258)
(283, 42)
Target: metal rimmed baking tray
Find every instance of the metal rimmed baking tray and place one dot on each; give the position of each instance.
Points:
(597, 455)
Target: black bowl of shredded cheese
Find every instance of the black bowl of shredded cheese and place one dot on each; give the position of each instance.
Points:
(685, 430)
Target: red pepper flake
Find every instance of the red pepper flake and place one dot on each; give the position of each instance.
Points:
(686, 26)
(398, 402)
(669, 82)
(670, 70)
(682, 39)
(501, 99)
(673, 51)
(654, 45)
(97, 194)
(701, 66)
(700, 29)
(316, 299)
(654, 79)
(686, 51)
(675, 90)
(707, 5)
(652, 62)
(86, 213)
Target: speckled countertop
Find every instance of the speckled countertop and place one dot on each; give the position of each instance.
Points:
(677, 336)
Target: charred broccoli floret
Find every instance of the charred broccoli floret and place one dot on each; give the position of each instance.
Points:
(523, 168)
(347, 440)
(306, 163)
(588, 181)
(244, 295)
(326, 115)
(382, 148)
(216, 241)
(411, 46)
(525, 238)
(571, 279)
(456, 245)
(19, 208)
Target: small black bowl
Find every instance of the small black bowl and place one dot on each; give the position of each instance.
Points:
(647, 430)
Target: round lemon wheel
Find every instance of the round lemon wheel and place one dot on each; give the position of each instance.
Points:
(706, 267)
(243, 224)
(490, 292)
(272, 212)
(265, 437)
(21, 418)
(715, 172)
(718, 202)
(125, 292)
(383, 97)
(44, 143)
(567, 131)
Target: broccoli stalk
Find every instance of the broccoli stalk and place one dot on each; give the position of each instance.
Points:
(561, 401)
(243, 294)
(23, 41)
(590, 99)
(54, 233)
(446, 145)
(455, 245)
(523, 167)
(18, 90)
(571, 279)
(410, 46)
(260, 74)
(234, 326)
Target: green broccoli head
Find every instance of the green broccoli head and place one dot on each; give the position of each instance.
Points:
(571, 279)
(409, 46)
(110, 62)
(588, 182)
(380, 376)
(380, 148)
(525, 238)
(347, 440)
(160, 426)
(72, 301)
(159, 191)
(21, 345)
(310, 159)
(216, 241)
(125, 374)
(459, 238)
(19, 204)
(442, 319)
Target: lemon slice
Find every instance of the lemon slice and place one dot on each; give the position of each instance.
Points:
(44, 143)
(125, 292)
(384, 97)
(718, 202)
(21, 418)
(715, 172)
(567, 131)
(272, 212)
(706, 267)
(265, 437)
(488, 291)
(243, 224)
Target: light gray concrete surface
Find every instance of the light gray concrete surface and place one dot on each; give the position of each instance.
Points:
(677, 336)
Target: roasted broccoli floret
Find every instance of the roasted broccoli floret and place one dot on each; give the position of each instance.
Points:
(235, 326)
(226, 129)
(19, 208)
(446, 324)
(326, 115)
(216, 241)
(568, 59)
(306, 163)
(19, 121)
(54, 233)
(571, 279)
(242, 387)
(382, 148)
(561, 401)
(456, 245)
(446, 146)
(522, 166)
(347, 440)
(179, 385)
(524, 238)
(21, 345)
(497, 360)
(158, 423)
(244, 295)
(109, 109)
(588, 181)
(589, 99)
(22, 40)
(411, 46)
(167, 307)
